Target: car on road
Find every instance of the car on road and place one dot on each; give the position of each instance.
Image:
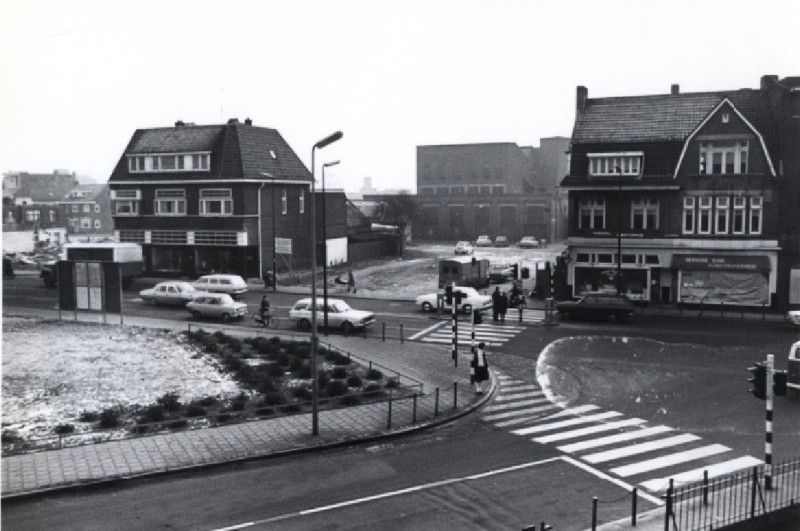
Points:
(597, 306)
(483, 241)
(170, 292)
(216, 306)
(528, 242)
(793, 318)
(500, 273)
(340, 315)
(464, 248)
(472, 300)
(501, 241)
(233, 285)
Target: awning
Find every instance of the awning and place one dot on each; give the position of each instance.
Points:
(704, 262)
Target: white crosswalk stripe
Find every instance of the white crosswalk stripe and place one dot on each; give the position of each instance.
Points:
(492, 334)
(524, 409)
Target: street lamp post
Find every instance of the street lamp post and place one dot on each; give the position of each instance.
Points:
(274, 250)
(330, 139)
(619, 233)
(325, 249)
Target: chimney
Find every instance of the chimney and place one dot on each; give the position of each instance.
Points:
(179, 123)
(248, 121)
(768, 82)
(675, 89)
(233, 121)
(583, 95)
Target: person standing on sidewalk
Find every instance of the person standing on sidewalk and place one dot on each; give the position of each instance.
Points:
(351, 281)
(502, 302)
(479, 368)
(495, 303)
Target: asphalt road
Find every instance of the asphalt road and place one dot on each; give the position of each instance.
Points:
(470, 475)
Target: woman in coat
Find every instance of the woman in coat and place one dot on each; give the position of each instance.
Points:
(479, 368)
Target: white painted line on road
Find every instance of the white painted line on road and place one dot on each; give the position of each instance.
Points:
(461, 343)
(527, 418)
(719, 469)
(565, 423)
(521, 403)
(425, 331)
(517, 396)
(573, 411)
(613, 439)
(641, 448)
(510, 386)
(669, 460)
(608, 426)
(539, 405)
(602, 475)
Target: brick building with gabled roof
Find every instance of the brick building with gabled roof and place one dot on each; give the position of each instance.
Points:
(211, 197)
(686, 188)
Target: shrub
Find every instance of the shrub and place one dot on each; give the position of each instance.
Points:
(304, 371)
(170, 401)
(63, 429)
(212, 348)
(140, 429)
(88, 416)
(109, 418)
(303, 393)
(275, 398)
(223, 417)
(323, 379)
(221, 336)
(232, 363)
(267, 385)
(264, 411)
(351, 400)
(285, 359)
(354, 380)
(275, 369)
(374, 374)
(154, 413)
(196, 410)
(373, 390)
(10, 436)
(339, 372)
(208, 401)
(177, 424)
(242, 396)
(292, 408)
(341, 359)
(295, 364)
(238, 405)
(336, 388)
(235, 344)
(329, 355)
(393, 383)
(303, 351)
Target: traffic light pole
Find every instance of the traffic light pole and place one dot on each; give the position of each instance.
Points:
(768, 441)
(453, 305)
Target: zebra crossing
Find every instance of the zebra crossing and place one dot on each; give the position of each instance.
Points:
(493, 334)
(627, 448)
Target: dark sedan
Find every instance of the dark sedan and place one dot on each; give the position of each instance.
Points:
(597, 306)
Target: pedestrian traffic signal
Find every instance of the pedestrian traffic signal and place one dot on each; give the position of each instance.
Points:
(779, 381)
(476, 317)
(515, 267)
(458, 296)
(448, 294)
(759, 380)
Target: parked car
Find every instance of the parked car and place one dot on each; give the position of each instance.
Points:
(500, 273)
(528, 242)
(501, 241)
(464, 248)
(597, 306)
(171, 292)
(233, 285)
(217, 306)
(793, 318)
(483, 241)
(472, 300)
(340, 315)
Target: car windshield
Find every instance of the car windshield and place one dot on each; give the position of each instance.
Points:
(340, 306)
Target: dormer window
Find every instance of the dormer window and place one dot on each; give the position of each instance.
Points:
(629, 164)
(173, 162)
(723, 157)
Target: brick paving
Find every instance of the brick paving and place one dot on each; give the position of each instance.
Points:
(431, 365)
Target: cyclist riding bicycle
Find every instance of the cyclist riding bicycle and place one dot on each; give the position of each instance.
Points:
(264, 310)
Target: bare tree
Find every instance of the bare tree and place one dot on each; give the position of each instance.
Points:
(400, 210)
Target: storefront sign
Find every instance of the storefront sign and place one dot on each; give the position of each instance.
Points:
(691, 262)
(283, 245)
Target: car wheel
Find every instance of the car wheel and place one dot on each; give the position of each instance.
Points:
(347, 327)
(467, 308)
(427, 307)
(304, 324)
(196, 314)
(226, 317)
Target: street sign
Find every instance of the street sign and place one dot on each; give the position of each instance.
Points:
(283, 245)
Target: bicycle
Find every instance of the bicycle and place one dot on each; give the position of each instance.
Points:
(269, 322)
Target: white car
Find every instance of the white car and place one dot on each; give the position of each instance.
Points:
(233, 285)
(171, 292)
(528, 242)
(464, 248)
(218, 306)
(472, 300)
(793, 318)
(340, 315)
(483, 241)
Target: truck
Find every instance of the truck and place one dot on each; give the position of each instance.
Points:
(129, 255)
(464, 271)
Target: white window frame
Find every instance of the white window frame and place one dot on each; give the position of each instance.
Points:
(705, 211)
(645, 207)
(738, 150)
(284, 201)
(87, 208)
(32, 215)
(689, 204)
(739, 210)
(96, 208)
(177, 162)
(756, 216)
(592, 207)
(126, 202)
(606, 164)
(303, 201)
(210, 196)
(170, 196)
(97, 224)
(722, 216)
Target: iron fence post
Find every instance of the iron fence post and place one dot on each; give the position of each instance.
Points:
(633, 506)
(401, 332)
(389, 415)
(594, 513)
(455, 395)
(383, 331)
(436, 403)
(414, 411)
(668, 511)
(705, 487)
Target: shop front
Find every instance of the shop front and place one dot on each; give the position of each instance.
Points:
(723, 279)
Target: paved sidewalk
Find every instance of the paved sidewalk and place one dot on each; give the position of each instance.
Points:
(432, 365)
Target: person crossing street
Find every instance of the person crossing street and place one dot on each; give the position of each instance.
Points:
(479, 368)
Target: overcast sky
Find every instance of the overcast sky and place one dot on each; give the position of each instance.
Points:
(78, 77)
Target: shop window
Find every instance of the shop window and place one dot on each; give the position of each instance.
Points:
(592, 214)
(704, 216)
(582, 258)
(628, 258)
(644, 214)
(688, 215)
(756, 204)
(723, 157)
(651, 259)
(723, 214)
(605, 258)
(739, 205)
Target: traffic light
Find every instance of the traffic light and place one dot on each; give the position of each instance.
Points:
(458, 297)
(779, 381)
(759, 380)
(515, 267)
(448, 294)
(526, 273)
(476, 317)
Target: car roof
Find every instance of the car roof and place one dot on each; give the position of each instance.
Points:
(319, 299)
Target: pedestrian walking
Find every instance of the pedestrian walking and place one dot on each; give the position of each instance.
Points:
(503, 300)
(267, 276)
(351, 281)
(479, 368)
(495, 303)
(264, 308)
